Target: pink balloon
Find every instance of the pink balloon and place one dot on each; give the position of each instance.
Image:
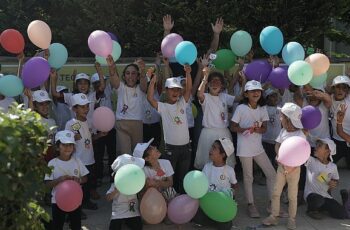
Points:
(103, 119)
(294, 151)
(69, 195)
(100, 43)
(169, 44)
(182, 209)
(319, 63)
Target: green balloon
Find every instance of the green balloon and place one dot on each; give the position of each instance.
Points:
(129, 179)
(225, 59)
(317, 81)
(218, 206)
(241, 43)
(116, 52)
(196, 184)
(300, 73)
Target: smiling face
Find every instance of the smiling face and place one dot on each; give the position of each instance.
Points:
(340, 91)
(81, 111)
(215, 155)
(83, 86)
(42, 108)
(173, 94)
(253, 95)
(215, 85)
(66, 150)
(131, 75)
(321, 151)
(152, 154)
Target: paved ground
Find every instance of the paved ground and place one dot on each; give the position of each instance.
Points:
(98, 220)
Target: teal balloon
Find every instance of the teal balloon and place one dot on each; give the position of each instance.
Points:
(218, 206)
(292, 52)
(241, 43)
(129, 179)
(186, 53)
(196, 184)
(271, 40)
(11, 86)
(225, 59)
(300, 73)
(116, 52)
(317, 81)
(58, 55)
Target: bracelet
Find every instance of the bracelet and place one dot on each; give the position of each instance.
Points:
(204, 81)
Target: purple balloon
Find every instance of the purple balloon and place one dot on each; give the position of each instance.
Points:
(169, 44)
(113, 36)
(35, 72)
(182, 209)
(311, 117)
(279, 78)
(258, 70)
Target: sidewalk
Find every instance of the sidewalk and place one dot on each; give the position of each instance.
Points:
(99, 220)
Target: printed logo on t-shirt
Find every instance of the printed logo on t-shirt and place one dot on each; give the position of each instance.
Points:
(212, 187)
(124, 109)
(132, 204)
(182, 111)
(148, 114)
(222, 115)
(42, 94)
(83, 97)
(76, 172)
(87, 143)
(177, 120)
(222, 177)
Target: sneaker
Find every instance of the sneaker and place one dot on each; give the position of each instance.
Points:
(291, 225)
(90, 205)
(94, 195)
(271, 220)
(344, 195)
(282, 214)
(314, 215)
(252, 211)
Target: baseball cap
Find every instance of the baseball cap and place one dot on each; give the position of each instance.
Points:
(95, 78)
(80, 99)
(293, 112)
(65, 137)
(140, 148)
(252, 85)
(82, 76)
(341, 80)
(60, 88)
(173, 82)
(126, 159)
(269, 92)
(331, 145)
(319, 87)
(227, 145)
(41, 96)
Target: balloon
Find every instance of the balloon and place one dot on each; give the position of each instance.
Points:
(300, 73)
(319, 63)
(116, 52)
(69, 195)
(35, 72)
(194, 110)
(294, 151)
(196, 184)
(271, 40)
(292, 52)
(225, 59)
(12, 41)
(100, 43)
(182, 209)
(258, 70)
(186, 53)
(40, 34)
(279, 78)
(11, 86)
(311, 117)
(113, 36)
(103, 119)
(58, 55)
(169, 44)
(129, 179)
(218, 206)
(317, 81)
(153, 206)
(241, 43)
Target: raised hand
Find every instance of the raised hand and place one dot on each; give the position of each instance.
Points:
(219, 24)
(141, 64)
(110, 60)
(341, 113)
(204, 61)
(168, 23)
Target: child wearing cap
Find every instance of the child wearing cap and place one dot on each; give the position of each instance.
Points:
(250, 122)
(125, 208)
(62, 111)
(65, 167)
(322, 177)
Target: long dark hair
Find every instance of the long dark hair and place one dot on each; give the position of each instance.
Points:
(219, 75)
(75, 90)
(221, 148)
(146, 154)
(261, 101)
(136, 67)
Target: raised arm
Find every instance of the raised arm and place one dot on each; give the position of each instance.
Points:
(143, 80)
(102, 85)
(202, 63)
(168, 24)
(188, 89)
(236, 75)
(53, 79)
(324, 97)
(340, 119)
(150, 92)
(217, 28)
(27, 92)
(202, 86)
(113, 73)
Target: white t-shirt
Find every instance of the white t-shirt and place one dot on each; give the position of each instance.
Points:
(105, 98)
(333, 114)
(283, 135)
(190, 118)
(91, 97)
(174, 122)
(322, 130)
(273, 125)
(165, 165)
(287, 96)
(317, 177)
(220, 178)
(215, 114)
(83, 147)
(5, 104)
(62, 114)
(72, 167)
(129, 105)
(150, 114)
(249, 145)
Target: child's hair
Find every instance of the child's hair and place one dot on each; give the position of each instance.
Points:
(222, 150)
(261, 101)
(219, 75)
(146, 154)
(57, 148)
(320, 143)
(136, 67)
(75, 90)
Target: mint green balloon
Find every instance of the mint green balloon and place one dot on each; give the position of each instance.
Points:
(196, 184)
(116, 52)
(317, 81)
(58, 55)
(300, 73)
(129, 179)
(225, 59)
(241, 43)
(11, 85)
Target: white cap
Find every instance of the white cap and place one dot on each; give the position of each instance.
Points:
(269, 92)
(82, 76)
(140, 148)
(41, 96)
(331, 145)
(252, 85)
(341, 80)
(319, 87)
(173, 82)
(227, 145)
(65, 137)
(293, 112)
(95, 78)
(80, 99)
(60, 88)
(126, 159)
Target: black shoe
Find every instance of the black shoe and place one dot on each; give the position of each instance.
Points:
(90, 205)
(315, 215)
(344, 195)
(83, 215)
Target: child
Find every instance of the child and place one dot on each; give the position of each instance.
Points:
(322, 177)
(250, 122)
(61, 109)
(125, 208)
(65, 167)
(292, 126)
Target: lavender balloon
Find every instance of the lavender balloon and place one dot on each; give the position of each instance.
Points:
(35, 72)
(169, 44)
(100, 43)
(258, 70)
(182, 209)
(311, 117)
(279, 78)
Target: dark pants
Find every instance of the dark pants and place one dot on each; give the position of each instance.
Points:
(316, 202)
(109, 142)
(202, 219)
(180, 158)
(342, 151)
(270, 152)
(59, 216)
(134, 223)
(152, 131)
(90, 184)
(193, 147)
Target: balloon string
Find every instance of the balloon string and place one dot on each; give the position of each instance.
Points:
(19, 67)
